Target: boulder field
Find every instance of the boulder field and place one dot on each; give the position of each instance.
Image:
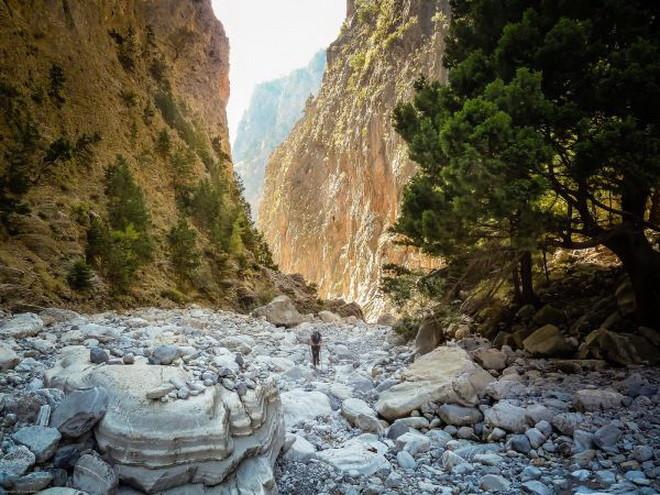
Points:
(195, 401)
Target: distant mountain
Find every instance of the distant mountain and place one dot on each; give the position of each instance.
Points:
(274, 109)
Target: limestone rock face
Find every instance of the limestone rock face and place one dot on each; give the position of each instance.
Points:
(215, 439)
(445, 375)
(332, 189)
(124, 71)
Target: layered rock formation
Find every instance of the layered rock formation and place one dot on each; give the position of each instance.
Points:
(80, 83)
(332, 189)
(274, 109)
(220, 439)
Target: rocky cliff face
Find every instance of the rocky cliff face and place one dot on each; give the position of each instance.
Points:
(274, 109)
(332, 189)
(83, 82)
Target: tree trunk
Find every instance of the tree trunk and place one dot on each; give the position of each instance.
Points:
(515, 279)
(527, 283)
(642, 263)
(654, 216)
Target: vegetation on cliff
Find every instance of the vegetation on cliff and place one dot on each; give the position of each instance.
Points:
(546, 136)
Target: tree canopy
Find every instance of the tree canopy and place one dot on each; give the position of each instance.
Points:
(546, 135)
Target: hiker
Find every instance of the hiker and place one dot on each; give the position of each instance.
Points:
(315, 345)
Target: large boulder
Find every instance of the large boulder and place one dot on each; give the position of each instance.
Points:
(507, 416)
(595, 400)
(549, 315)
(361, 415)
(363, 455)
(41, 441)
(619, 348)
(80, 411)
(8, 358)
(280, 312)
(215, 439)
(430, 335)
(21, 326)
(548, 341)
(445, 375)
(301, 406)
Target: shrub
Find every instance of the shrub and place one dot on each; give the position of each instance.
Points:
(163, 143)
(80, 276)
(59, 150)
(126, 48)
(407, 327)
(129, 98)
(184, 254)
(56, 81)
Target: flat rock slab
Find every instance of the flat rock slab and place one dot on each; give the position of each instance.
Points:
(301, 406)
(445, 375)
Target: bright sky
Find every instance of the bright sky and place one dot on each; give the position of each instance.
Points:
(270, 38)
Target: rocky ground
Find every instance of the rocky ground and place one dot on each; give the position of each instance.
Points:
(371, 419)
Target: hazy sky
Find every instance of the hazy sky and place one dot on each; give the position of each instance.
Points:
(270, 38)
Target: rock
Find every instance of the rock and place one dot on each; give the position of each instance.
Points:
(300, 451)
(329, 316)
(101, 333)
(537, 413)
(508, 417)
(41, 441)
(8, 358)
(619, 348)
(453, 414)
(445, 375)
(62, 491)
(549, 315)
(450, 460)
(566, 422)
(430, 335)
(491, 359)
(280, 312)
(357, 456)
(405, 460)
(160, 391)
(582, 441)
(536, 438)
(80, 411)
(221, 439)
(98, 355)
(643, 453)
(397, 429)
(17, 461)
(530, 473)
(519, 443)
(596, 400)
(494, 483)
(300, 406)
(21, 326)
(128, 358)
(360, 414)
(413, 442)
(439, 438)
(165, 354)
(606, 437)
(33, 482)
(536, 488)
(625, 298)
(548, 341)
(94, 476)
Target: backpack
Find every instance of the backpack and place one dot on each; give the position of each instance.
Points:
(316, 337)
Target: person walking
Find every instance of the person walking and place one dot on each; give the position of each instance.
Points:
(315, 345)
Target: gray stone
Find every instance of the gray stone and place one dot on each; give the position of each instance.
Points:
(519, 443)
(33, 482)
(8, 358)
(549, 314)
(165, 354)
(453, 414)
(536, 488)
(21, 326)
(300, 451)
(361, 415)
(280, 312)
(80, 411)
(643, 453)
(17, 461)
(301, 406)
(536, 438)
(582, 440)
(42, 441)
(413, 442)
(491, 359)
(94, 476)
(508, 417)
(566, 422)
(596, 400)
(405, 460)
(494, 483)
(160, 391)
(606, 437)
(530, 473)
(548, 341)
(98, 355)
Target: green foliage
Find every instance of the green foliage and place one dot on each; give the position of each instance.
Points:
(407, 327)
(120, 246)
(158, 70)
(59, 150)
(80, 276)
(56, 82)
(544, 135)
(127, 49)
(163, 143)
(128, 98)
(184, 254)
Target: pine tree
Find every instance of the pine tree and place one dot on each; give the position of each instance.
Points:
(548, 131)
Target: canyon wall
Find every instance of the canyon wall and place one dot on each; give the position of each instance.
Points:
(274, 109)
(332, 189)
(82, 82)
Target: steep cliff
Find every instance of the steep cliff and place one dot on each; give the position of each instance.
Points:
(332, 188)
(275, 107)
(115, 182)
